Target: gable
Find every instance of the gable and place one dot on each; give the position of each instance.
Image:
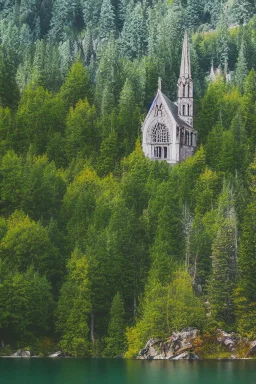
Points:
(159, 123)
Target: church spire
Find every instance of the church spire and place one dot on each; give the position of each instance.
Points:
(185, 85)
(185, 68)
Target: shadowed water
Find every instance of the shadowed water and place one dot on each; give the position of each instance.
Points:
(97, 371)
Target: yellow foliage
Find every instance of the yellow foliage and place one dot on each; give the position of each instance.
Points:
(134, 342)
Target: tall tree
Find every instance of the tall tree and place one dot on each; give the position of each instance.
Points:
(241, 68)
(74, 307)
(115, 341)
(107, 20)
(224, 261)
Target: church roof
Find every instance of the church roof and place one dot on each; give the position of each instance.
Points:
(173, 108)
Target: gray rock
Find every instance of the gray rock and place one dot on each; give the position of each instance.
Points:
(151, 342)
(56, 354)
(21, 353)
(182, 356)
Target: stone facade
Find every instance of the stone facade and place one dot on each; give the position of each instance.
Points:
(168, 133)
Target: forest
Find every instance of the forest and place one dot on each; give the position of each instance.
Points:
(100, 248)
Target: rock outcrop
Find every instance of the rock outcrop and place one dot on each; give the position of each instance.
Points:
(189, 344)
(177, 347)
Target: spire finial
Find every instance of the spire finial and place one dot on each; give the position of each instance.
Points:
(159, 83)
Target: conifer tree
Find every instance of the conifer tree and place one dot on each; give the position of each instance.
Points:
(107, 20)
(241, 68)
(128, 119)
(134, 34)
(222, 41)
(214, 8)
(115, 340)
(240, 11)
(247, 260)
(74, 307)
(224, 260)
(193, 10)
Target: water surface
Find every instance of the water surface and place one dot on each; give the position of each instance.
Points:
(98, 371)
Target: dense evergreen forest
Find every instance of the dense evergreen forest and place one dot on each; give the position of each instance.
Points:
(101, 249)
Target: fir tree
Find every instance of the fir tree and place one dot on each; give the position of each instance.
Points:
(224, 261)
(115, 341)
(240, 11)
(107, 19)
(193, 10)
(241, 68)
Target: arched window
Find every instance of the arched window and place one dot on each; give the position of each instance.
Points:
(160, 134)
(184, 90)
(188, 110)
(183, 110)
(188, 90)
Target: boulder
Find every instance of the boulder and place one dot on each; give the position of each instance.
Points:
(21, 353)
(57, 354)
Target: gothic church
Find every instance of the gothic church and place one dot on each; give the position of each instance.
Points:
(168, 132)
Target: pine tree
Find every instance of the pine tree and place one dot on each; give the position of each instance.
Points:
(240, 11)
(247, 259)
(115, 340)
(74, 307)
(134, 34)
(214, 8)
(224, 260)
(91, 12)
(222, 41)
(107, 20)
(193, 11)
(241, 68)
(128, 119)
(121, 12)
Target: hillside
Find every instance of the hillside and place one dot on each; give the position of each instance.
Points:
(100, 248)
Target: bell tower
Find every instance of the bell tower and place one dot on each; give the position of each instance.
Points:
(185, 86)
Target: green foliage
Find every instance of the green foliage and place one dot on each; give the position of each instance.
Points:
(81, 131)
(115, 341)
(74, 307)
(27, 243)
(26, 304)
(76, 79)
(39, 115)
(166, 308)
(77, 85)
(224, 260)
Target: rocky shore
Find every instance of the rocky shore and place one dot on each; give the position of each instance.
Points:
(189, 344)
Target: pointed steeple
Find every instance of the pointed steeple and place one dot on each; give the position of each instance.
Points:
(185, 85)
(185, 68)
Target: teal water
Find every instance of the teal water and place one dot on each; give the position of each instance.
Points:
(97, 371)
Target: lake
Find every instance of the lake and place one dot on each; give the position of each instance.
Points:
(98, 371)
